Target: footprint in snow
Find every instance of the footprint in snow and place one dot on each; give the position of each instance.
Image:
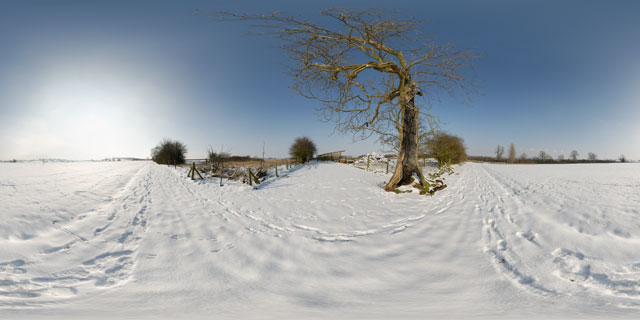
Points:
(529, 236)
(13, 266)
(501, 245)
(571, 265)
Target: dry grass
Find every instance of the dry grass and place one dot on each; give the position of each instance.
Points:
(270, 163)
(253, 163)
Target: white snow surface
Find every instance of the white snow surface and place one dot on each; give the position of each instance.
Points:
(139, 240)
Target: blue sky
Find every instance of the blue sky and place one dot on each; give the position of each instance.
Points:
(89, 80)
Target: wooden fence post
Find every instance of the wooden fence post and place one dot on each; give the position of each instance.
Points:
(367, 163)
(256, 178)
(192, 172)
(252, 177)
(276, 169)
(387, 166)
(198, 172)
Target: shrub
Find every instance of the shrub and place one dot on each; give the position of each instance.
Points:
(445, 148)
(302, 149)
(169, 152)
(216, 158)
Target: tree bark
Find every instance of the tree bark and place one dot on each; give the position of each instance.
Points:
(407, 163)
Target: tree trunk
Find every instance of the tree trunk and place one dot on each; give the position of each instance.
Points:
(407, 163)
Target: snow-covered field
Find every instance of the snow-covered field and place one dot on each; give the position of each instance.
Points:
(134, 239)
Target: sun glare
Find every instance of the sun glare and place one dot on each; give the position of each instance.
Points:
(91, 112)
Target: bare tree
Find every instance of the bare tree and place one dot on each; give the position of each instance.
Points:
(523, 157)
(499, 152)
(543, 156)
(573, 155)
(392, 141)
(512, 153)
(561, 157)
(622, 158)
(592, 156)
(367, 69)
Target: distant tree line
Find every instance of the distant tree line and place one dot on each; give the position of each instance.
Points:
(446, 148)
(542, 157)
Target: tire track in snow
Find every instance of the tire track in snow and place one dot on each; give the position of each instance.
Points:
(277, 226)
(539, 256)
(497, 224)
(107, 257)
(221, 230)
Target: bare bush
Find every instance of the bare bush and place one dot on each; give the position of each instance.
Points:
(592, 156)
(302, 149)
(169, 152)
(447, 148)
(216, 158)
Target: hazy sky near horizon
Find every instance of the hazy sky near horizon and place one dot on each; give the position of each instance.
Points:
(89, 80)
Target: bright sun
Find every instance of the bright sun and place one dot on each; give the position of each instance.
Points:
(82, 113)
